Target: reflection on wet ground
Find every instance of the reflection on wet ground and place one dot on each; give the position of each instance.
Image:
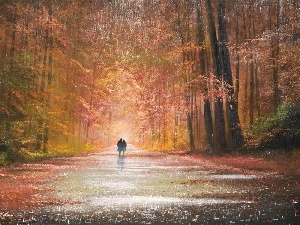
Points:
(121, 162)
(144, 188)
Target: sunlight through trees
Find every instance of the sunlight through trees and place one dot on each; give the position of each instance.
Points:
(176, 74)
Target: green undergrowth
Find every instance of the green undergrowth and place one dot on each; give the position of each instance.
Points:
(4, 161)
(280, 131)
(25, 155)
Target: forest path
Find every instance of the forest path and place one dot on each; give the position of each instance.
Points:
(148, 187)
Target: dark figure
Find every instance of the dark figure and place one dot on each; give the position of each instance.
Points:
(120, 146)
(124, 145)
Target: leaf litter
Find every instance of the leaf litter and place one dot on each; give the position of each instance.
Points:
(149, 188)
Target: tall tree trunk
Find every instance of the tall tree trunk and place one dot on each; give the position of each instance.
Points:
(251, 87)
(246, 88)
(190, 131)
(231, 103)
(12, 54)
(25, 36)
(220, 142)
(203, 72)
(208, 123)
(49, 75)
(257, 91)
(13, 34)
(42, 117)
(186, 58)
(275, 52)
(88, 124)
(237, 56)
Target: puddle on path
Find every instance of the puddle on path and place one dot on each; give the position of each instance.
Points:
(156, 200)
(135, 181)
(133, 202)
(233, 176)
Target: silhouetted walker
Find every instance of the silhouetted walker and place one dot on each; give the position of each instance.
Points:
(121, 146)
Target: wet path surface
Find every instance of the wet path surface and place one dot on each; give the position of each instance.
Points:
(153, 188)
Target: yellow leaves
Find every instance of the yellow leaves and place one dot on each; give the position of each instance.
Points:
(79, 65)
(191, 47)
(61, 128)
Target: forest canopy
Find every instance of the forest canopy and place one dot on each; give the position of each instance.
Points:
(174, 74)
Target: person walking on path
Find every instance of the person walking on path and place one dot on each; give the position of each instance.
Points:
(120, 146)
(124, 145)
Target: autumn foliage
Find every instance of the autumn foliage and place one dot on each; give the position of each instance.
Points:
(188, 75)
